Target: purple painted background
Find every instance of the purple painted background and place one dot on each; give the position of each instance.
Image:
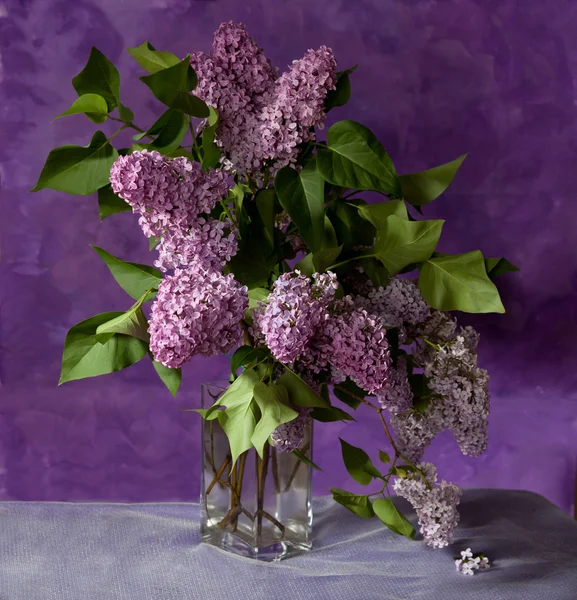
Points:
(494, 78)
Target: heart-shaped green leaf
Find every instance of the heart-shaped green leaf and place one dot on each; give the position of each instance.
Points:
(109, 203)
(355, 159)
(151, 59)
(99, 76)
(135, 279)
(301, 194)
(84, 356)
(272, 401)
(360, 505)
(459, 282)
(358, 464)
(400, 242)
(170, 377)
(78, 170)
(389, 514)
(92, 105)
(172, 86)
(423, 187)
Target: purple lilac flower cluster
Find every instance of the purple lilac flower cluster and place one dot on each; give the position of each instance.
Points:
(262, 119)
(197, 309)
(354, 342)
(171, 196)
(435, 505)
(167, 193)
(461, 401)
(195, 313)
(288, 437)
(293, 313)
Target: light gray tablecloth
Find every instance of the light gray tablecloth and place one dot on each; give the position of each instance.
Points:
(84, 551)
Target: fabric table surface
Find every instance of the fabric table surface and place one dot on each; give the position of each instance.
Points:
(105, 551)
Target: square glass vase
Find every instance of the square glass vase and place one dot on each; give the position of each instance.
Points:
(260, 509)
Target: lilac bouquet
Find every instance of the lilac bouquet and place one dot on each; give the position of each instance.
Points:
(268, 251)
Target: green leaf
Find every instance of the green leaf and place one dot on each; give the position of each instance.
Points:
(78, 170)
(303, 458)
(360, 505)
(125, 113)
(375, 271)
(245, 355)
(132, 322)
(91, 105)
(273, 403)
(400, 243)
(377, 214)
(419, 385)
(170, 130)
(210, 151)
(238, 420)
(358, 464)
(384, 457)
(265, 203)
(153, 241)
(99, 76)
(301, 194)
(349, 393)
(172, 86)
(256, 296)
(499, 266)
(423, 187)
(341, 95)
(459, 282)
(318, 262)
(84, 356)
(355, 159)
(109, 203)
(330, 414)
(352, 230)
(170, 377)
(389, 514)
(135, 279)
(300, 393)
(152, 60)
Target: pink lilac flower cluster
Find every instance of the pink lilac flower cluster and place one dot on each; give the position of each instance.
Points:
(209, 242)
(167, 193)
(435, 504)
(171, 196)
(196, 313)
(461, 401)
(469, 562)
(288, 437)
(354, 342)
(293, 312)
(262, 119)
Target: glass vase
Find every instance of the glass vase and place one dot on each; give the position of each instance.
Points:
(262, 507)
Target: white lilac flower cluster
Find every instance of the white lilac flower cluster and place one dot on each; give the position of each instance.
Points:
(400, 302)
(469, 562)
(262, 119)
(459, 389)
(435, 504)
(289, 436)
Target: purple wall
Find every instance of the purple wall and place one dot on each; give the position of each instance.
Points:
(436, 78)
